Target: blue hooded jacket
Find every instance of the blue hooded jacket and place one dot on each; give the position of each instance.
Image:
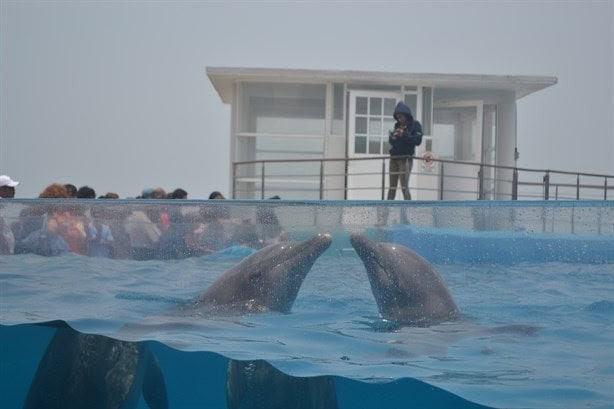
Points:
(412, 134)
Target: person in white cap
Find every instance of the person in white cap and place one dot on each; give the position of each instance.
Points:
(7, 187)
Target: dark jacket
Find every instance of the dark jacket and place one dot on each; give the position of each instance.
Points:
(412, 135)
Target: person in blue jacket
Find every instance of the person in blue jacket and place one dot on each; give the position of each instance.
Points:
(403, 140)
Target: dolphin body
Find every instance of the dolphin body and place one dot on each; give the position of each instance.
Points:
(268, 280)
(259, 385)
(406, 287)
(93, 371)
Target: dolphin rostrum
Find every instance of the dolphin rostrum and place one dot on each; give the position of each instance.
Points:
(406, 287)
(268, 280)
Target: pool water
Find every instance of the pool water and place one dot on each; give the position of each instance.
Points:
(533, 333)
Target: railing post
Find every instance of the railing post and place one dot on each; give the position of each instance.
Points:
(441, 182)
(321, 179)
(234, 180)
(262, 182)
(383, 178)
(515, 184)
(481, 182)
(605, 189)
(578, 187)
(547, 185)
(345, 183)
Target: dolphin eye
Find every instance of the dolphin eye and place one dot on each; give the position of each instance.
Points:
(256, 276)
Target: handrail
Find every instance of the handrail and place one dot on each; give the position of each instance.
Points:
(481, 177)
(460, 162)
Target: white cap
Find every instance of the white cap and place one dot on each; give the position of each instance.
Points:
(7, 181)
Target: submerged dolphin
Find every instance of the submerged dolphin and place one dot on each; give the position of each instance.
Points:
(257, 384)
(406, 287)
(268, 280)
(92, 371)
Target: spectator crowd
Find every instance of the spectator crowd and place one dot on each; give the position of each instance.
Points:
(102, 228)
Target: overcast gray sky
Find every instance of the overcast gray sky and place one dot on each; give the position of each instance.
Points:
(114, 94)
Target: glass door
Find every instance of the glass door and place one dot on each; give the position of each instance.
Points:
(370, 119)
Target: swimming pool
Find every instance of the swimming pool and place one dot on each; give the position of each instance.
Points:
(537, 324)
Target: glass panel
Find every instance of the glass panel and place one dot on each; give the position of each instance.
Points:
(372, 87)
(282, 148)
(427, 108)
(412, 101)
(386, 147)
(388, 126)
(268, 147)
(375, 126)
(389, 104)
(443, 142)
(361, 105)
(375, 145)
(338, 117)
(376, 106)
(283, 108)
(361, 125)
(411, 88)
(360, 144)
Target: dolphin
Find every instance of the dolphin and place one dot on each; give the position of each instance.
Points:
(257, 384)
(268, 280)
(406, 287)
(93, 371)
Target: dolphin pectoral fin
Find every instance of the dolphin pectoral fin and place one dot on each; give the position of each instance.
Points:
(154, 386)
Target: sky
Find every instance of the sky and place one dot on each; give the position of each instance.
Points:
(114, 94)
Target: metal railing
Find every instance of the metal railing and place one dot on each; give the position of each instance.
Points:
(489, 181)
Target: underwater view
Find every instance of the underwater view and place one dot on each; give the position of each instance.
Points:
(283, 304)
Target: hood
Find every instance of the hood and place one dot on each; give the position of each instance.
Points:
(402, 108)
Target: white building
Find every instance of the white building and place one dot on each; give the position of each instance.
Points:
(315, 114)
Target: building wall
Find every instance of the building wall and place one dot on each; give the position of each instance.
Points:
(267, 132)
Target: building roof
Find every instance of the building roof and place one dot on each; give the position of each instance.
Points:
(223, 79)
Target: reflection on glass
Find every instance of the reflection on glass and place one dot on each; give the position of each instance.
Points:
(375, 145)
(376, 106)
(375, 126)
(361, 125)
(389, 104)
(360, 144)
(361, 105)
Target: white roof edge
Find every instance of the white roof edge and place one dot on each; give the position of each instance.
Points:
(223, 77)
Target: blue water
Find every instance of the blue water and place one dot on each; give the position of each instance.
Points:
(533, 334)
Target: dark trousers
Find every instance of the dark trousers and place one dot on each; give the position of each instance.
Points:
(400, 168)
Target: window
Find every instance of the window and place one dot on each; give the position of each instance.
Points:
(373, 120)
(290, 109)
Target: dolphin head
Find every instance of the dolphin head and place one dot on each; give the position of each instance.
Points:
(269, 279)
(405, 286)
